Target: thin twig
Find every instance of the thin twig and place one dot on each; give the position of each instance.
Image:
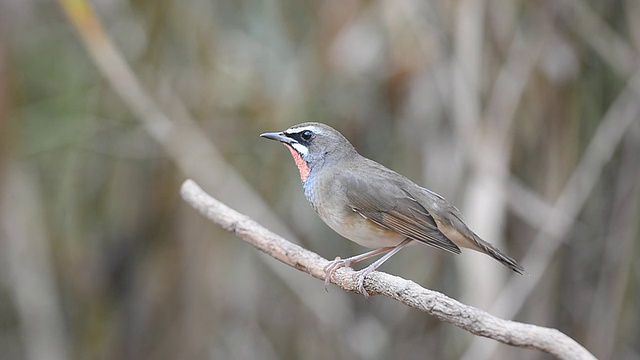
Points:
(446, 309)
(601, 37)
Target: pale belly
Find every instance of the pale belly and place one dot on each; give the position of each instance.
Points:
(348, 223)
(362, 231)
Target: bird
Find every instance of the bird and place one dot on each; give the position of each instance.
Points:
(372, 205)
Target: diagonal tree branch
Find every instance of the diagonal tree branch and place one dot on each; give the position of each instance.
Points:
(442, 307)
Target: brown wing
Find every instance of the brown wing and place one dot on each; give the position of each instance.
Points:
(389, 206)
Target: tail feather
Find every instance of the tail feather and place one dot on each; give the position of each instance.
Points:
(495, 253)
(458, 232)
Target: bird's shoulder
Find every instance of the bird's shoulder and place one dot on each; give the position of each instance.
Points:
(369, 182)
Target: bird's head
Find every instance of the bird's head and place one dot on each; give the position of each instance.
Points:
(312, 145)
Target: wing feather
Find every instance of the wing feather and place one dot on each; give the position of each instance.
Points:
(390, 206)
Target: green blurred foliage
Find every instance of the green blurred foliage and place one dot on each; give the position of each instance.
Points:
(99, 258)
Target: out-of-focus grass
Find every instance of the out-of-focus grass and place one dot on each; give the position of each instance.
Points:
(135, 274)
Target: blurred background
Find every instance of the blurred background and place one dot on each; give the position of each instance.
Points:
(525, 114)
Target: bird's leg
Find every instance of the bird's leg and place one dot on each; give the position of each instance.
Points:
(361, 274)
(338, 263)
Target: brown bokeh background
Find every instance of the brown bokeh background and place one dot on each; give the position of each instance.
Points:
(526, 114)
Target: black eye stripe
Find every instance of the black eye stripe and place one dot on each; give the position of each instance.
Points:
(303, 136)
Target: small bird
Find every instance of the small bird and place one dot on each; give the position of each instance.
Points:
(372, 205)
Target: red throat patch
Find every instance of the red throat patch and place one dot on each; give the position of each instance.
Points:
(300, 163)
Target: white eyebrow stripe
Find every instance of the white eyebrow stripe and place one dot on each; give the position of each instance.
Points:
(298, 130)
(300, 148)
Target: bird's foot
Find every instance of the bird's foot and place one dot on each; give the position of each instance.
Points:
(360, 275)
(331, 268)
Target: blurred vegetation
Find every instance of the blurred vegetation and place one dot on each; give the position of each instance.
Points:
(526, 114)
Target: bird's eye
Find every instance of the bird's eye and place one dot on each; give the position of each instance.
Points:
(307, 135)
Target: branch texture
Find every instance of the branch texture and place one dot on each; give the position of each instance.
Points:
(446, 309)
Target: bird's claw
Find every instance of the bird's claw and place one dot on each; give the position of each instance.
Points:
(331, 268)
(360, 276)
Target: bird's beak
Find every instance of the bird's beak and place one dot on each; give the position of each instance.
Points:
(277, 136)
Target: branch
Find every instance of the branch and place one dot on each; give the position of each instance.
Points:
(446, 309)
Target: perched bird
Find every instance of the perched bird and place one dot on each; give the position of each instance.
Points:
(372, 205)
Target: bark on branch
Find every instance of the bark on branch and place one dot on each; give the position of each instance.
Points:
(476, 321)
